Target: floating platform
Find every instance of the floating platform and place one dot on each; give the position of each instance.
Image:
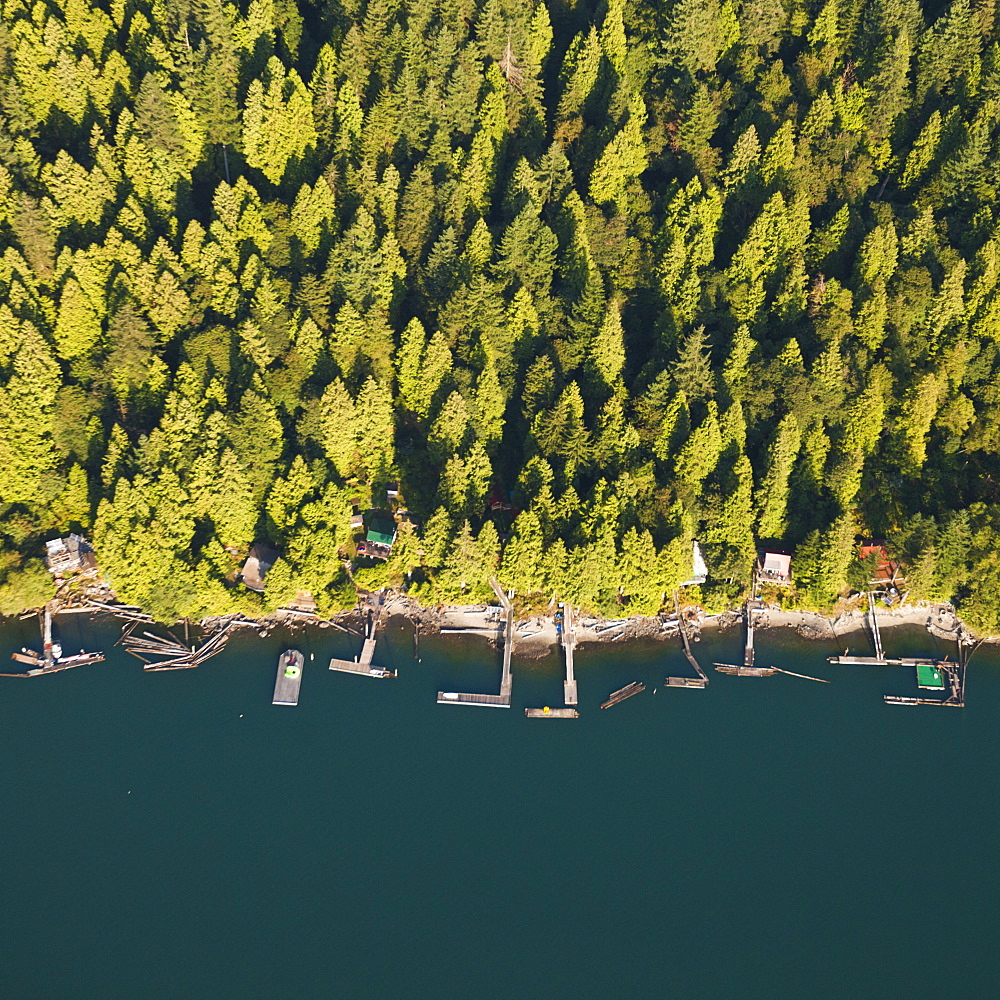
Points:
(289, 679)
(929, 677)
(364, 669)
(636, 687)
(686, 682)
(551, 713)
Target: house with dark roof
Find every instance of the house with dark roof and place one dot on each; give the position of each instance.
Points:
(69, 555)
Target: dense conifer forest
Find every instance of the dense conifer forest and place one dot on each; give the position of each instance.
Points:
(647, 271)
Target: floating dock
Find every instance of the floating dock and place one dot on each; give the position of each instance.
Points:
(289, 679)
(501, 700)
(63, 663)
(636, 687)
(551, 713)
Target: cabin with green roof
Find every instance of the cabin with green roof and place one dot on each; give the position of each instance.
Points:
(380, 534)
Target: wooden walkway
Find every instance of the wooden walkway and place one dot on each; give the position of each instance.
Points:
(748, 617)
(501, 700)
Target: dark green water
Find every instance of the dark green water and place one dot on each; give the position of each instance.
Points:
(174, 835)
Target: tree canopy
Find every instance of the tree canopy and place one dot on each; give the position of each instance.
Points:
(649, 271)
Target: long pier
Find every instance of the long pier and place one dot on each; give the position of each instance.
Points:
(551, 713)
(748, 653)
(501, 700)
(568, 643)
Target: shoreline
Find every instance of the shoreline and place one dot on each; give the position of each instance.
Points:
(536, 635)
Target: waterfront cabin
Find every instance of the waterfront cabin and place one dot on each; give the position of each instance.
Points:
(888, 572)
(69, 555)
(261, 558)
(699, 571)
(379, 538)
(775, 568)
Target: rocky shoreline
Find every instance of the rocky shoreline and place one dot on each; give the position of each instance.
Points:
(536, 635)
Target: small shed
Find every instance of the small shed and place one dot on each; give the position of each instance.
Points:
(69, 555)
(775, 567)
(259, 561)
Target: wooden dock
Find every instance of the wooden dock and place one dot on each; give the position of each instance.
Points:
(357, 667)
(461, 698)
(568, 644)
(953, 670)
(501, 700)
(363, 664)
(636, 687)
(289, 679)
(551, 713)
(56, 666)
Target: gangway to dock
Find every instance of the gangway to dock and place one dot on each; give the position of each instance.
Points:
(701, 681)
(501, 700)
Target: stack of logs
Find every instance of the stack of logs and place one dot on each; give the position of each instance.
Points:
(157, 653)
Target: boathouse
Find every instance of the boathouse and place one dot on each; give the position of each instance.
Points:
(775, 568)
(69, 555)
(261, 558)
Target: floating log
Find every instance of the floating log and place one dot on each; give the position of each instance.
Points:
(738, 670)
(805, 677)
(636, 687)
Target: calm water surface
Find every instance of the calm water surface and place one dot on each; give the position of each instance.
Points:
(174, 835)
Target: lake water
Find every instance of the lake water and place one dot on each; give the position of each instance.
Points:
(174, 835)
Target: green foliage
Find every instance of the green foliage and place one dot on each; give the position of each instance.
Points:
(661, 271)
